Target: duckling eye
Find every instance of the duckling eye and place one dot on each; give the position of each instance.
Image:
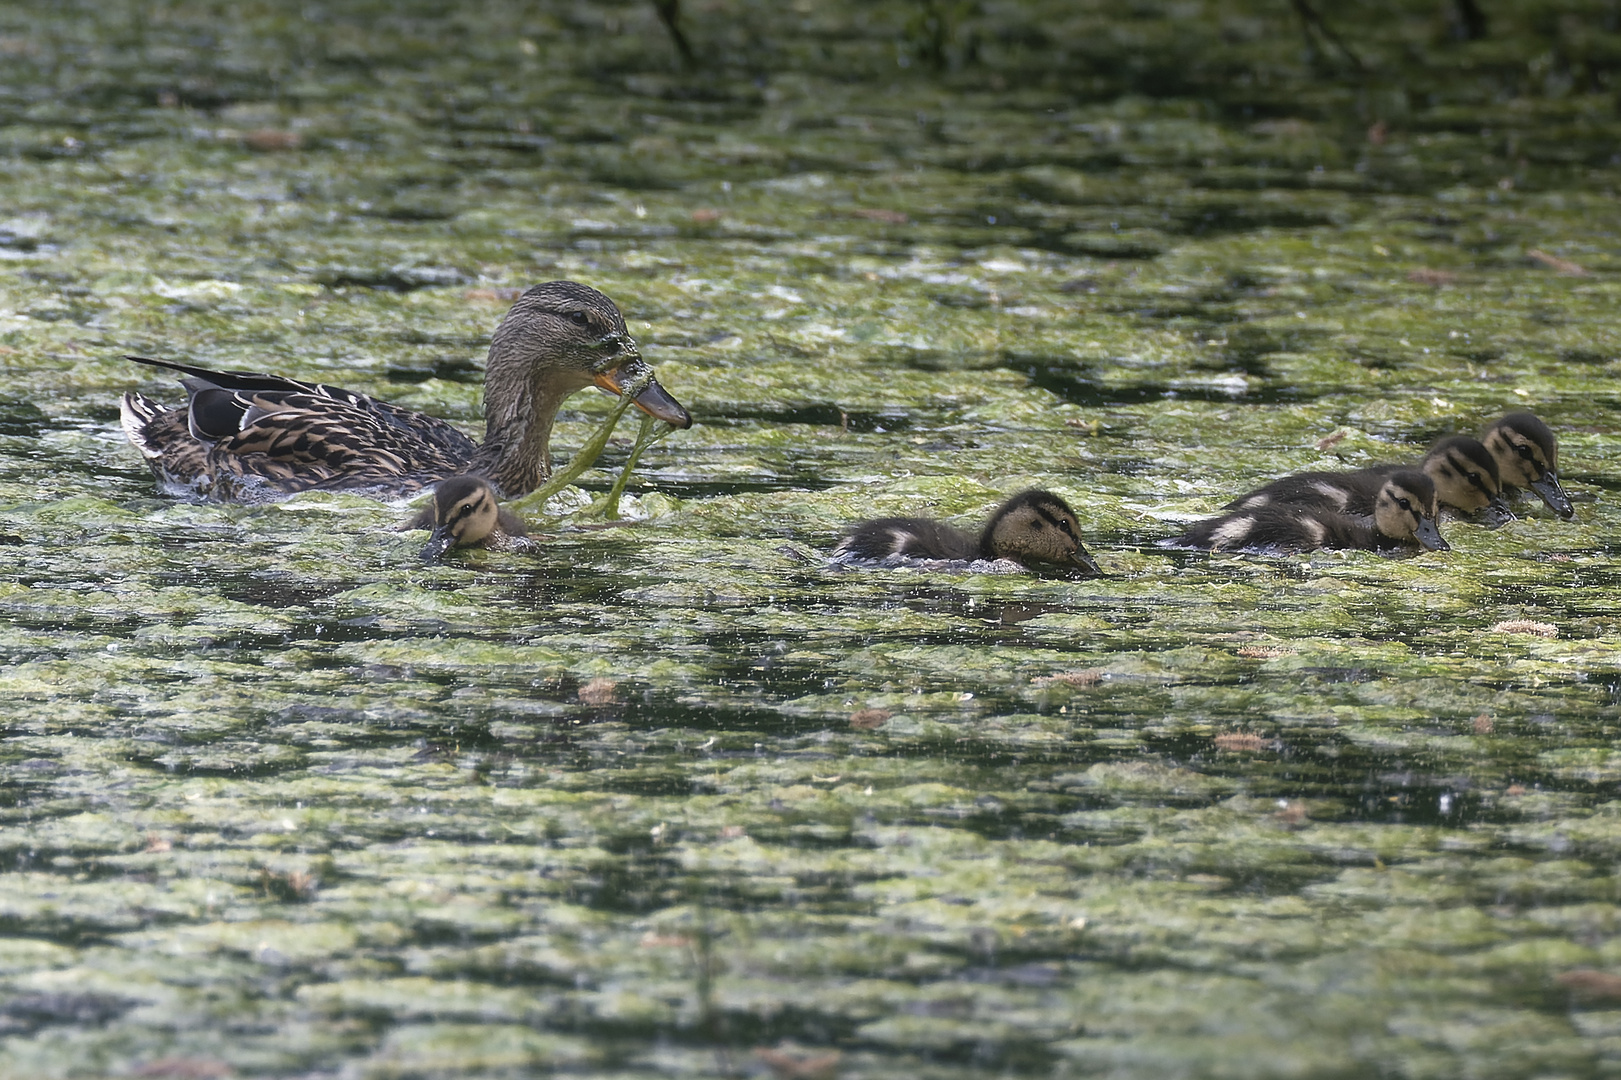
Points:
(1404, 504)
(579, 318)
(1524, 451)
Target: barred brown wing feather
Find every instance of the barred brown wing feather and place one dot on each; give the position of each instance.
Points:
(429, 430)
(217, 414)
(331, 443)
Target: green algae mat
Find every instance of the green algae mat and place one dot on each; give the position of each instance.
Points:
(674, 798)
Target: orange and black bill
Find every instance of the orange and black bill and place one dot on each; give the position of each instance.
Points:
(653, 401)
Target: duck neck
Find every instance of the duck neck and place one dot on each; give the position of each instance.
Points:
(516, 452)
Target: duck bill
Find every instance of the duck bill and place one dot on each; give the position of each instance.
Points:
(1084, 561)
(652, 400)
(1547, 486)
(1430, 536)
(439, 542)
(1496, 513)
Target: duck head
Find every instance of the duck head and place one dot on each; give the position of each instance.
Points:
(1036, 527)
(558, 338)
(1527, 454)
(1465, 476)
(464, 514)
(1405, 509)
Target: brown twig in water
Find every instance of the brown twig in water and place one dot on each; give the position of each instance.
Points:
(1554, 262)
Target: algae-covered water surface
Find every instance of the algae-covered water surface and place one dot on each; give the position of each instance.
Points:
(674, 797)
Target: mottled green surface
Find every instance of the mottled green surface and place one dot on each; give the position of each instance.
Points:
(280, 800)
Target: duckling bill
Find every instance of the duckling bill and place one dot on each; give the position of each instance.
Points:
(1403, 518)
(464, 513)
(1034, 528)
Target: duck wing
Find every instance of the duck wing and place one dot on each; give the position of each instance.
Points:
(223, 403)
(293, 435)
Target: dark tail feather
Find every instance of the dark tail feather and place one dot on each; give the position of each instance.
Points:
(170, 364)
(225, 380)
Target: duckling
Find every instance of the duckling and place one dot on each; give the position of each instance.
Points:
(1403, 516)
(464, 513)
(253, 438)
(1466, 479)
(1527, 454)
(1461, 468)
(1034, 528)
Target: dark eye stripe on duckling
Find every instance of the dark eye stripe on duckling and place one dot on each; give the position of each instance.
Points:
(1458, 465)
(1049, 517)
(1531, 452)
(1412, 507)
(1520, 444)
(473, 505)
(1524, 444)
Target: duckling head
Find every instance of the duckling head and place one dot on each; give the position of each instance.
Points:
(1527, 454)
(464, 514)
(1405, 509)
(558, 337)
(1465, 476)
(1036, 527)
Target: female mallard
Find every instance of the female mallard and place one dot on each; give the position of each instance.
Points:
(1034, 528)
(1463, 471)
(1527, 454)
(1403, 517)
(464, 513)
(253, 438)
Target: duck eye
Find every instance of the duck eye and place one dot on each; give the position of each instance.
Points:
(1404, 504)
(579, 318)
(1524, 451)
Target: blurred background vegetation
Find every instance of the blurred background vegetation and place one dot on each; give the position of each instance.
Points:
(1381, 58)
(1422, 64)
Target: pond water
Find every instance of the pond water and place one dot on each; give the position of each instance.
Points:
(675, 798)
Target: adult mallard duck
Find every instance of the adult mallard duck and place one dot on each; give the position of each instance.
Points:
(1527, 453)
(1463, 471)
(464, 513)
(1034, 529)
(250, 438)
(1403, 518)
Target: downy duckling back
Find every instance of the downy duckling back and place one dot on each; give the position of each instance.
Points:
(1527, 455)
(1034, 528)
(464, 513)
(1403, 516)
